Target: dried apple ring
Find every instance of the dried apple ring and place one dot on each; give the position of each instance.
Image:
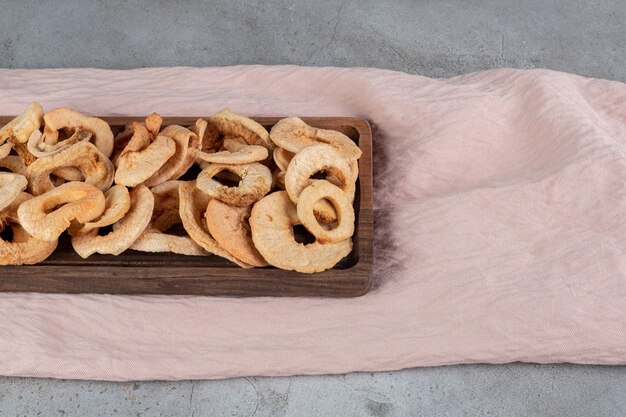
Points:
(324, 211)
(184, 139)
(117, 203)
(23, 125)
(230, 228)
(95, 167)
(23, 249)
(193, 204)
(68, 174)
(314, 159)
(120, 142)
(151, 125)
(46, 216)
(153, 240)
(37, 147)
(64, 119)
(233, 144)
(14, 164)
(11, 185)
(224, 175)
(22, 151)
(195, 143)
(125, 231)
(354, 171)
(230, 124)
(256, 181)
(278, 179)
(166, 214)
(321, 189)
(5, 150)
(282, 157)
(294, 135)
(166, 205)
(272, 222)
(137, 166)
(142, 156)
(235, 154)
(212, 140)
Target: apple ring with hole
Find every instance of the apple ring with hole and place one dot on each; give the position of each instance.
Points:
(272, 222)
(22, 249)
(256, 182)
(48, 215)
(322, 189)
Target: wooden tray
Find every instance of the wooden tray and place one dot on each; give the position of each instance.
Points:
(135, 272)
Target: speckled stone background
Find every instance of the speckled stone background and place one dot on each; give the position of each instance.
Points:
(437, 39)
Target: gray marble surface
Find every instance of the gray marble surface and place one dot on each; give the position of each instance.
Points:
(433, 38)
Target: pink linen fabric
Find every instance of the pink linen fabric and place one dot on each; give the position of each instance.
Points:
(500, 203)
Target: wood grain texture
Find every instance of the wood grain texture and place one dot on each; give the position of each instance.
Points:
(166, 273)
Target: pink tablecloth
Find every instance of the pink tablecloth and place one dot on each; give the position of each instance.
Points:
(500, 229)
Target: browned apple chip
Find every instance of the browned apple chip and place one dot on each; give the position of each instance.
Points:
(125, 231)
(48, 215)
(256, 181)
(94, 166)
(272, 222)
(22, 249)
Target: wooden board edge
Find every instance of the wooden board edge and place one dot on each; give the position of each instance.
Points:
(362, 270)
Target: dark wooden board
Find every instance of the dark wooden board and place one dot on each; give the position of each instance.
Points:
(135, 272)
